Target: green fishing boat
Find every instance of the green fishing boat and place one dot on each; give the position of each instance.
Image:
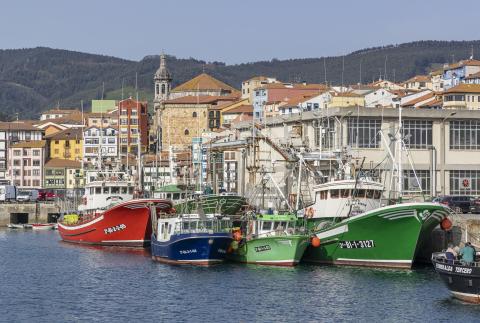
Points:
(188, 201)
(269, 239)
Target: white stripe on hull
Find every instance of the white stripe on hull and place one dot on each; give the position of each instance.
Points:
(100, 218)
(474, 298)
(376, 260)
(333, 232)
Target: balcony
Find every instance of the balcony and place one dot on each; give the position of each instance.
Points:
(454, 104)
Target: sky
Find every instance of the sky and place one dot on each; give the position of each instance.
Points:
(232, 31)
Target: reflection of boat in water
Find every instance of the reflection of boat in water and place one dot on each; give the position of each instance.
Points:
(125, 224)
(463, 280)
(190, 239)
(16, 226)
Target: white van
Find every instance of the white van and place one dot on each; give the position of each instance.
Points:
(27, 196)
(8, 193)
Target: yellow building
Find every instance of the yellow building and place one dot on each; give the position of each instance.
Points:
(66, 144)
(462, 96)
(346, 99)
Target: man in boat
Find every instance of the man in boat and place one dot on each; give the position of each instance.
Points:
(450, 254)
(468, 254)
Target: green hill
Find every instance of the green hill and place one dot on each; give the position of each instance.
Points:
(32, 80)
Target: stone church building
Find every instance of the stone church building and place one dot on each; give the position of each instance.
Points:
(183, 113)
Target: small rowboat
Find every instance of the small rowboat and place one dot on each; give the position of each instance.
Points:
(43, 226)
(15, 226)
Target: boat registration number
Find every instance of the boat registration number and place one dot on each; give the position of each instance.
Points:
(262, 248)
(189, 251)
(357, 244)
(116, 228)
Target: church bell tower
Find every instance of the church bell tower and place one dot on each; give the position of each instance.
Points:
(163, 80)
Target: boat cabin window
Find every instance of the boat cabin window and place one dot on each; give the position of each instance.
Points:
(323, 195)
(98, 190)
(267, 226)
(361, 194)
(169, 229)
(169, 196)
(130, 190)
(345, 193)
(369, 194)
(92, 191)
(280, 225)
(115, 190)
(208, 225)
(106, 190)
(176, 196)
(162, 227)
(377, 194)
(334, 194)
(124, 190)
(186, 225)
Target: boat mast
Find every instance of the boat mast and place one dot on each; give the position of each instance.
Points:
(399, 154)
(139, 139)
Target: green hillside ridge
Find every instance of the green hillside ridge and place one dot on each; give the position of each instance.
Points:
(36, 79)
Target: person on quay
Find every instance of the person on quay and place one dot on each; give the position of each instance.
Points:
(468, 254)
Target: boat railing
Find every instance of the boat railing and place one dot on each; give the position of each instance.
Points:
(441, 257)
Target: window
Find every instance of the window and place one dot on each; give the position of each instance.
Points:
(36, 172)
(124, 122)
(364, 133)
(16, 162)
(36, 152)
(334, 194)
(465, 182)
(186, 132)
(410, 183)
(194, 114)
(16, 152)
(465, 134)
(325, 130)
(417, 134)
(56, 151)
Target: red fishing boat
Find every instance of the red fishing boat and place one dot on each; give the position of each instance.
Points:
(126, 224)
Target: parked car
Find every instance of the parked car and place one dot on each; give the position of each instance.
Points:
(459, 203)
(476, 205)
(46, 196)
(8, 193)
(27, 196)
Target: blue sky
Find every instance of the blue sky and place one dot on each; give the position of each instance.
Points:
(232, 31)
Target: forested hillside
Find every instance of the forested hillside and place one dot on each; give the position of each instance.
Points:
(32, 80)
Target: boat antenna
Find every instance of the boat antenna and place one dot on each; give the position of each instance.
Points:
(355, 190)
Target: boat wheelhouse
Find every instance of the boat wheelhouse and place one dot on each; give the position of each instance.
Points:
(343, 198)
(190, 239)
(106, 188)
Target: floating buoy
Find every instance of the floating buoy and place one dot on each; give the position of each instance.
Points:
(315, 242)
(446, 224)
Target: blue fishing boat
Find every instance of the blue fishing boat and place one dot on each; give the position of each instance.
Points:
(190, 239)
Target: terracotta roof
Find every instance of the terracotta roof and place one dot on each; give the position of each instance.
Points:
(464, 88)
(242, 117)
(434, 103)
(466, 62)
(419, 78)
(108, 114)
(297, 86)
(18, 125)
(246, 108)
(200, 99)
(419, 99)
(204, 82)
(296, 100)
(57, 162)
(67, 134)
(473, 76)
(29, 144)
(61, 111)
(437, 72)
(347, 94)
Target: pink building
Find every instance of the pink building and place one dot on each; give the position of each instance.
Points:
(26, 160)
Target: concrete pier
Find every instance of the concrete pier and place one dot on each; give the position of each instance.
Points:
(28, 213)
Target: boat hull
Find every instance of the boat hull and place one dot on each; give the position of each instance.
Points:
(201, 249)
(272, 251)
(386, 237)
(127, 224)
(462, 281)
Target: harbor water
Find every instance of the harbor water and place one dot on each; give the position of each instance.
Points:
(46, 280)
